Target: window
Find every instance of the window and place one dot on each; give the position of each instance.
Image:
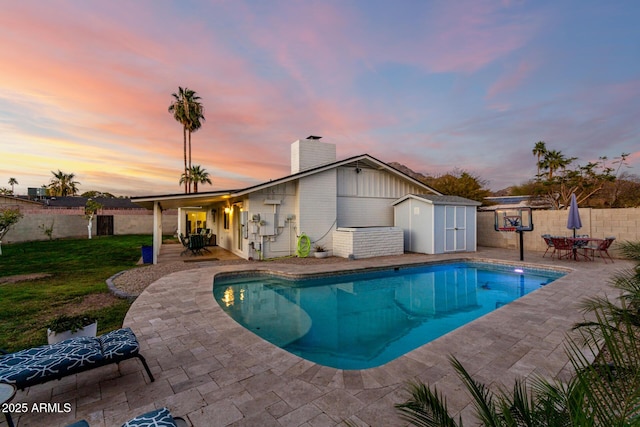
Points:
(225, 218)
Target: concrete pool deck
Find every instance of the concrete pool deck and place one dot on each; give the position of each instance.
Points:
(213, 372)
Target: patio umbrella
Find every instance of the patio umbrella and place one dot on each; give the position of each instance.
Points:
(573, 221)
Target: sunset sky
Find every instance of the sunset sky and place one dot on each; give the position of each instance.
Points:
(435, 85)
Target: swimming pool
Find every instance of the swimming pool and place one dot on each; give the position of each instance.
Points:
(364, 320)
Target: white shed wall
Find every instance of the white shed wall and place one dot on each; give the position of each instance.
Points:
(427, 230)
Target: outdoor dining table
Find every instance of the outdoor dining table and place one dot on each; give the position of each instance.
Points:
(581, 242)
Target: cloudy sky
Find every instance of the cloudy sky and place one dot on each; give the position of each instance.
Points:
(435, 85)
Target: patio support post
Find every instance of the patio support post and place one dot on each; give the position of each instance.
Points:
(157, 230)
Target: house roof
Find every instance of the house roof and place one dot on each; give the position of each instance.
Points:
(439, 200)
(80, 202)
(195, 199)
(15, 201)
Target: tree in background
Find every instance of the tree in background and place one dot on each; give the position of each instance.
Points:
(63, 184)
(196, 175)
(188, 111)
(8, 218)
(6, 191)
(553, 161)
(90, 209)
(93, 194)
(563, 177)
(539, 150)
(199, 176)
(460, 183)
(12, 183)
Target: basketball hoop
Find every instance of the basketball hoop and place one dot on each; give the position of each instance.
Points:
(516, 219)
(505, 231)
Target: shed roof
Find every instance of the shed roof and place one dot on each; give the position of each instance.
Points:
(439, 200)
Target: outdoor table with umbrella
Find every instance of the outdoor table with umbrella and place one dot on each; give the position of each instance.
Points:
(573, 221)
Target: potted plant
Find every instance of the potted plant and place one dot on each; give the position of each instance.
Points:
(321, 252)
(64, 327)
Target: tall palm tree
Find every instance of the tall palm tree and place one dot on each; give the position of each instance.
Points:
(539, 150)
(197, 175)
(63, 184)
(188, 111)
(12, 182)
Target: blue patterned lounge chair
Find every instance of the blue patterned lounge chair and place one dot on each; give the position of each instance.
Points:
(38, 365)
(157, 418)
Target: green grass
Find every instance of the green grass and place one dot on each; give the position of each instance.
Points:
(78, 268)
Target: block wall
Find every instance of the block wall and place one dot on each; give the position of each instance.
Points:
(70, 223)
(623, 224)
(368, 242)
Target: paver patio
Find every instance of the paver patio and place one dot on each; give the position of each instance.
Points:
(213, 372)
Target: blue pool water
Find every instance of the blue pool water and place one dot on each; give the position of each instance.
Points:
(363, 320)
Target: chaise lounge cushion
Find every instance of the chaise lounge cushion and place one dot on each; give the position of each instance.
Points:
(118, 344)
(158, 418)
(35, 364)
(41, 364)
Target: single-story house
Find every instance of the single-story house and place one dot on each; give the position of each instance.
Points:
(320, 199)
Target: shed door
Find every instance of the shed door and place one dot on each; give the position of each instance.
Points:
(455, 224)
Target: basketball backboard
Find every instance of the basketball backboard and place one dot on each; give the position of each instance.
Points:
(513, 219)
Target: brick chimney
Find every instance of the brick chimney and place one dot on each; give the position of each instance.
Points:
(310, 152)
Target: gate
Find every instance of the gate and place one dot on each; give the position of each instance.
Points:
(105, 225)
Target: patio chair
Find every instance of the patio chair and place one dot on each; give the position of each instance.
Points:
(196, 244)
(185, 243)
(563, 247)
(602, 248)
(549, 242)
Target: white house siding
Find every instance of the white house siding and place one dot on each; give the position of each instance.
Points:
(365, 198)
(317, 207)
(283, 241)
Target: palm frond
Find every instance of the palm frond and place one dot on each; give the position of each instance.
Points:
(426, 408)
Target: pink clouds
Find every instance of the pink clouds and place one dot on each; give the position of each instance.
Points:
(96, 84)
(512, 79)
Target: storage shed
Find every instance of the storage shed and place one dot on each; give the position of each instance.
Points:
(436, 224)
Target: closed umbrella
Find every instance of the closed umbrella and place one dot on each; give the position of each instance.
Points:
(573, 221)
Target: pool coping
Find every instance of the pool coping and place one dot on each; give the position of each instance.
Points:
(252, 273)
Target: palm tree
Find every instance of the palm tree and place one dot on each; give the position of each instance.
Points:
(554, 160)
(63, 184)
(539, 150)
(12, 182)
(196, 175)
(187, 110)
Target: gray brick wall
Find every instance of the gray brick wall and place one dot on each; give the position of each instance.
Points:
(368, 242)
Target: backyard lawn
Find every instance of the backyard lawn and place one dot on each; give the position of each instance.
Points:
(41, 280)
